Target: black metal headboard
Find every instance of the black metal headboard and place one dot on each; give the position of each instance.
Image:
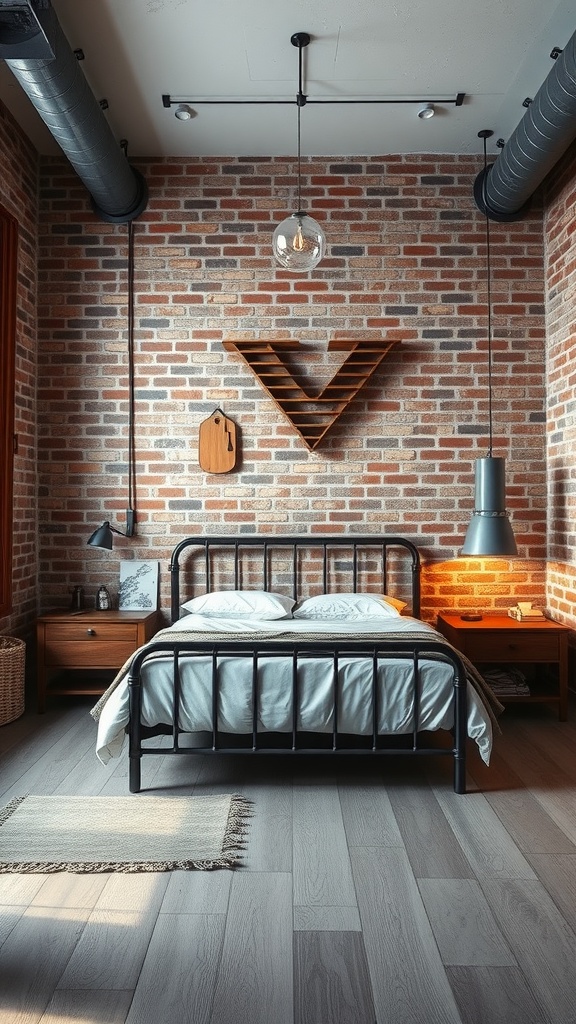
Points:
(266, 547)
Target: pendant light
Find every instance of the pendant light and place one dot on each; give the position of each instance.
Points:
(489, 532)
(299, 242)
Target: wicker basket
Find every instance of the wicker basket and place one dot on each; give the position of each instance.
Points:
(12, 661)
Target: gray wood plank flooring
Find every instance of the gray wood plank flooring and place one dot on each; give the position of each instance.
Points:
(332, 979)
(369, 892)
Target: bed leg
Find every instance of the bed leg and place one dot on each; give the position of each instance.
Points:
(134, 739)
(459, 773)
(460, 727)
(134, 779)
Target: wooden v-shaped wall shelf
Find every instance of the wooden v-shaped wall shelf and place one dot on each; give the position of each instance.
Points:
(311, 415)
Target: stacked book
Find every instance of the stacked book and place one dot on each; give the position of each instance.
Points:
(523, 614)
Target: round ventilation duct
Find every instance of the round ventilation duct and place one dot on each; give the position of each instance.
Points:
(59, 92)
(504, 189)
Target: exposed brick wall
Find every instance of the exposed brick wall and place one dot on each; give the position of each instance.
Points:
(19, 195)
(561, 406)
(406, 254)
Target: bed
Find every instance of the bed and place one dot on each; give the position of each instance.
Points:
(301, 644)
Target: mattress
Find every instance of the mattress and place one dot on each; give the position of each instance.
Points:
(315, 686)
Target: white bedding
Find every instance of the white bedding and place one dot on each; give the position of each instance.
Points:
(275, 677)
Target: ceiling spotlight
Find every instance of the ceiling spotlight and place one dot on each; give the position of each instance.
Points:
(183, 112)
(425, 112)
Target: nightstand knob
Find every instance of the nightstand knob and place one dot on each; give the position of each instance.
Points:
(91, 632)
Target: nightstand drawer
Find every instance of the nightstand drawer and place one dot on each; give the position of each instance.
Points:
(511, 646)
(108, 654)
(89, 632)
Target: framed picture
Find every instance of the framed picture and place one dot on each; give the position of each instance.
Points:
(138, 589)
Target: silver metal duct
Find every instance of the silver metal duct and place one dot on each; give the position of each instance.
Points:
(59, 91)
(503, 191)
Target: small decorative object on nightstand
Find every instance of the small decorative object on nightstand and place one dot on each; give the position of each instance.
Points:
(103, 603)
(536, 644)
(69, 643)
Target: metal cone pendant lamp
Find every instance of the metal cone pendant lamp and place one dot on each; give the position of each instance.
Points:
(490, 532)
(299, 242)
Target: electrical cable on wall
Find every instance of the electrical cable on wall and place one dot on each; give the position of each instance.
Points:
(131, 510)
(103, 536)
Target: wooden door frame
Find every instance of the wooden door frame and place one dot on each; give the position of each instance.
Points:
(8, 298)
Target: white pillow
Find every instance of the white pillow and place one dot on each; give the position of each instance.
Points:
(349, 606)
(254, 604)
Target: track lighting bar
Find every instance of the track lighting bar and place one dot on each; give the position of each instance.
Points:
(168, 101)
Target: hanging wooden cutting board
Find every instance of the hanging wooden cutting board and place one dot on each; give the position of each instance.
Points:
(217, 444)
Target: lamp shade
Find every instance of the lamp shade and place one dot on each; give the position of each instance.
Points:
(298, 242)
(490, 532)
(102, 537)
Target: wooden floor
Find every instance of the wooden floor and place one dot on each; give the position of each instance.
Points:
(370, 892)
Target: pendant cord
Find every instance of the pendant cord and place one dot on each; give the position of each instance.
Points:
(300, 101)
(489, 317)
(299, 206)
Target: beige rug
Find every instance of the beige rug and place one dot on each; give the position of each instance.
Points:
(136, 833)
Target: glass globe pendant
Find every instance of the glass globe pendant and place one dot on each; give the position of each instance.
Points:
(299, 242)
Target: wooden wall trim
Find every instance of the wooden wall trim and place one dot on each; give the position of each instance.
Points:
(8, 284)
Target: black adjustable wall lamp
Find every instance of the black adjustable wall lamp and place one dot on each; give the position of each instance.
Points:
(102, 537)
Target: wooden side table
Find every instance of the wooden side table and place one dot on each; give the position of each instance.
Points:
(498, 639)
(86, 640)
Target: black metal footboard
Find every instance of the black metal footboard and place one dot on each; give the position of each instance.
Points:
(257, 741)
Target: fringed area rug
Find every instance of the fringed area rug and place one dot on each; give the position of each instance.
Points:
(92, 834)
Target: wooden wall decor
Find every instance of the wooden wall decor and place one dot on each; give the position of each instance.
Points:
(217, 443)
(311, 415)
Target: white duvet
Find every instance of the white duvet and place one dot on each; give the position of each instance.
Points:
(275, 687)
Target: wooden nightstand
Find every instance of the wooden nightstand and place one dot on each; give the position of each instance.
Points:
(86, 640)
(498, 639)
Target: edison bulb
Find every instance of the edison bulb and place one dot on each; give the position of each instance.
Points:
(299, 243)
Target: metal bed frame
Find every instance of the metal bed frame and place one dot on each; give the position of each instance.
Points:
(329, 553)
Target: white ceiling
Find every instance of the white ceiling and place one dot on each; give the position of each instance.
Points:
(497, 52)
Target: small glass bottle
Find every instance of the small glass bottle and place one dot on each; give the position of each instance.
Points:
(103, 603)
(77, 599)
